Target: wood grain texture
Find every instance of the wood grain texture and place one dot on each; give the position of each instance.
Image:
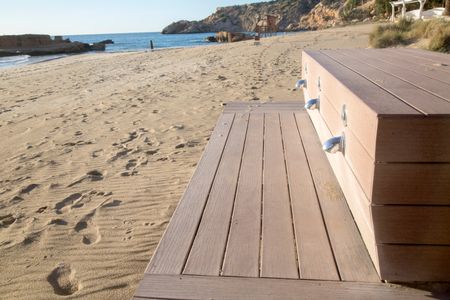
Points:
(411, 184)
(403, 263)
(413, 140)
(405, 64)
(174, 247)
(350, 253)
(338, 80)
(421, 59)
(354, 194)
(419, 99)
(436, 59)
(207, 251)
(399, 70)
(412, 224)
(386, 137)
(313, 248)
(242, 253)
(389, 183)
(278, 258)
(203, 287)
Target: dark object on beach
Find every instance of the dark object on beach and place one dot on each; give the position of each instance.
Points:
(98, 47)
(231, 37)
(106, 42)
(151, 45)
(211, 39)
(36, 45)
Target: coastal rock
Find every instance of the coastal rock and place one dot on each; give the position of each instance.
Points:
(244, 18)
(36, 45)
(106, 42)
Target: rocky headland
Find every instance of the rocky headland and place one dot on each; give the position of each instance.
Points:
(293, 15)
(37, 44)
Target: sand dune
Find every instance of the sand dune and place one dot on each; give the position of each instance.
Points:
(97, 149)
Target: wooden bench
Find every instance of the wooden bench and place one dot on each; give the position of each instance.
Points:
(393, 109)
(263, 217)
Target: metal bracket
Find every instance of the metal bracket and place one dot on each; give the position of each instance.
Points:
(335, 144)
(300, 84)
(312, 104)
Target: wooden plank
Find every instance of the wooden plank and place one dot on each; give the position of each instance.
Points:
(426, 136)
(420, 59)
(412, 224)
(208, 248)
(403, 64)
(432, 54)
(351, 256)
(340, 81)
(441, 59)
(388, 183)
(420, 184)
(173, 249)
(409, 263)
(278, 258)
(354, 194)
(242, 253)
(386, 138)
(357, 157)
(421, 100)
(420, 81)
(313, 247)
(391, 58)
(232, 288)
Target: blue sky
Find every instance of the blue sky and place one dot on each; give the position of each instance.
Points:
(101, 16)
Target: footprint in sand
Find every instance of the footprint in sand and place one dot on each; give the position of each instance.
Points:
(94, 175)
(90, 231)
(63, 280)
(66, 204)
(7, 220)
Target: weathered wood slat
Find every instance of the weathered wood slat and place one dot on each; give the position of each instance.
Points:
(242, 253)
(313, 248)
(421, 59)
(399, 70)
(278, 246)
(405, 91)
(341, 81)
(405, 64)
(386, 137)
(387, 183)
(440, 58)
(411, 184)
(207, 251)
(412, 224)
(203, 287)
(174, 247)
(350, 253)
(414, 263)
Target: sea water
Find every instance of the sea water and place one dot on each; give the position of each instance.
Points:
(123, 42)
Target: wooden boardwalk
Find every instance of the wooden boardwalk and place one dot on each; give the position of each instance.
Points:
(263, 217)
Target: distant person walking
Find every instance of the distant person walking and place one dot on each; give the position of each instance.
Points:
(151, 45)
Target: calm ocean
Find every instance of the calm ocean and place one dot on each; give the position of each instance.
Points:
(122, 42)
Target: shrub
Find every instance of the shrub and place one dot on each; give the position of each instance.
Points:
(436, 31)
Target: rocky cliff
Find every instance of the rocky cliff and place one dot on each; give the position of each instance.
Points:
(243, 18)
(294, 15)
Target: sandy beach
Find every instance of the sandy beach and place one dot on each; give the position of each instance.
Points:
(97, 149)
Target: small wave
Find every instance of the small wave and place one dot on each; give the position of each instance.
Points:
(14, 59)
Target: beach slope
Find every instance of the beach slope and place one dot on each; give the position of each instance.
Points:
(97, 149)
